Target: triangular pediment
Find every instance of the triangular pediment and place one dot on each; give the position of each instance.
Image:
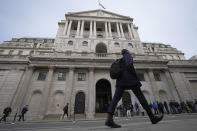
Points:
(98, 13)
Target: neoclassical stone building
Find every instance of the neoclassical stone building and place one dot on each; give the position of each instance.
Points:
(47, 73)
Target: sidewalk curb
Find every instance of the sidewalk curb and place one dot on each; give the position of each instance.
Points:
(97, 119)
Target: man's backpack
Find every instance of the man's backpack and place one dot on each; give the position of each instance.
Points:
(116, 69)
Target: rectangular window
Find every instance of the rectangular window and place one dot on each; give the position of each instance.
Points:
(84, 54)
(81, 76)
(61, 76)
(157, 77)
(68, 53)
(42, 75)
(20, 52)
(1, 52)
(11, 52)
(141, 76)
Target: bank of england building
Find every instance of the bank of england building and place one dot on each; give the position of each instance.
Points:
(73, 67)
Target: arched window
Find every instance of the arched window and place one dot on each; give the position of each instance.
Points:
(70, 43)
(101, 48)
(85, 43)
(130, 45)
(116, 44)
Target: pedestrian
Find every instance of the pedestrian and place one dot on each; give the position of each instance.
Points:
(6, 113)
(155, 107)
(65, 110)
(24, 110)
(128, 80)
(132, 112)
(137, 108)
(141, 110)
(128, 112)
(166, 107)
(160, 107)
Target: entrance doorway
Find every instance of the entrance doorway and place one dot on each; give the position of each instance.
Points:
(80, 103)
(103, 95)
(126, 100)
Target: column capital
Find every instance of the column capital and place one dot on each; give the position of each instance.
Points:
(91, 68)
(71, 68)
(150, 70)
(51, 66)
(30, 67)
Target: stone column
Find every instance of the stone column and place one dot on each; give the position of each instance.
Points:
(69, 28)
(133, 32)
(153, 85)
(82, 28)
(21, 97)
(129, 29)
(65, 27)
(106, 31)
(78, 28)
(122, 32)
(110, 34)
(174, 93)
(91, 95)
(118, 30)
(180, 85)
(47, 91)
(90, 29)
(70, 88)
(95, 29)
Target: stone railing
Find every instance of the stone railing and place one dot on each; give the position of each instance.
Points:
(182, 63)
(101, 54)
(10, 57)
(52, 54)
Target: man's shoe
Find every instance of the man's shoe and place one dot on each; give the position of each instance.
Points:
(112, 124)
(156, 118)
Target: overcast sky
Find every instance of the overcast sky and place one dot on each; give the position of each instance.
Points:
(171, 22)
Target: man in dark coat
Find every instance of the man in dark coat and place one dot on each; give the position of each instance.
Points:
(6, 113)
(166, 107)
(128, 80)
(65, 110)
(24, 110)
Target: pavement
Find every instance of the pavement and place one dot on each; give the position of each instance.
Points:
(183, 122)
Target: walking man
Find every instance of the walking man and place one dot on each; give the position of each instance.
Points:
(24, 110)
(6, 113)
(128, 80)
(137, 108)
(65, 109)
(166, 107)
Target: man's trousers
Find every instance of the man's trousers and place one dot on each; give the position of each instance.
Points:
(138, 93)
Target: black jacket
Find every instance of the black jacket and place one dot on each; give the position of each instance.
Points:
(128, 79)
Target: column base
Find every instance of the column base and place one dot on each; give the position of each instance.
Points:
(90, 116)
(122, 38)
(78, 37)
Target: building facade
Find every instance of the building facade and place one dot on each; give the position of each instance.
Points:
(47, 73)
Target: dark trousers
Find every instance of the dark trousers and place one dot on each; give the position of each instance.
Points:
(65, 113)
(156, 111)
(21, 116)
(3, 118)
(138, 93)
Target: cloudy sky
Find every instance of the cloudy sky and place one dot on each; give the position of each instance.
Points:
(171, 22)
